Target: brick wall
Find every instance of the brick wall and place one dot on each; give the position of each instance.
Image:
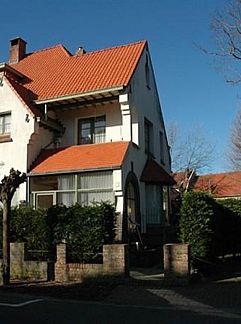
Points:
(21, 269)
(177, 263)
(115, 263)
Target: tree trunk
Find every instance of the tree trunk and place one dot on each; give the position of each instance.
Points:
(6, 243)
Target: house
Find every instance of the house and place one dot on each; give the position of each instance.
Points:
(86, 127)
(219, 185)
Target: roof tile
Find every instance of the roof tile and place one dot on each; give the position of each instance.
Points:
(220, 185)
(54, 72)
(81, 157)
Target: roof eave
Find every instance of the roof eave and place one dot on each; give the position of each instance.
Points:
(115, 167)
(7, 67)
(80, 95)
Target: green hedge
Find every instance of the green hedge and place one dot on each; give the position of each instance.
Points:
(211, 227)
(195, 222)
(85, 229)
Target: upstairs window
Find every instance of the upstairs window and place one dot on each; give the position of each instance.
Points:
(162, 157)
(5, 124)
(147, 73)
(91, 130)
(148, 129)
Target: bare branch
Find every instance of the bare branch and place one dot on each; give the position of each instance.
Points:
(191, 151)
(226, 29)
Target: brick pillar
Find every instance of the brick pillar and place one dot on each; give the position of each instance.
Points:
(17, 251)
(116, 259)
(177, 263)
(60, 265)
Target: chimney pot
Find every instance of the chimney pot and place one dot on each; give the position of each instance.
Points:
(17, 50)
(80, 51)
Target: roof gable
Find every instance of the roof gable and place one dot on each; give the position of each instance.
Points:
(54, 72)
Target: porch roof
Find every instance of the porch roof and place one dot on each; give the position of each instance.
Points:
(154, 173)
(80, 158)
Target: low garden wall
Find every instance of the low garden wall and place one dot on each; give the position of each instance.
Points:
(115, 263)
(31, 270)
(176, 263)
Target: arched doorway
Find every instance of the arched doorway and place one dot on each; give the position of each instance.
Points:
(132, 217)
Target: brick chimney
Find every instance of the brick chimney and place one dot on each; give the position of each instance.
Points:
(17, 50)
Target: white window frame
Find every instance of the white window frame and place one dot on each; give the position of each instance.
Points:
(3, 117)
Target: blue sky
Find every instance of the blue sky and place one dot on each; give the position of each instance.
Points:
(191, 91)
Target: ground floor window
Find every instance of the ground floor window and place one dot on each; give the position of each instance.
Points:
(83, 188)
(154, 204)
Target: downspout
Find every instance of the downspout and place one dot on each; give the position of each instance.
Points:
(45, 111)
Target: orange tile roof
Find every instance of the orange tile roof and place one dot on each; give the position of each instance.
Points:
(220, 185)
(179, 177)
(24, 95)
(54, 72)
(81, 157)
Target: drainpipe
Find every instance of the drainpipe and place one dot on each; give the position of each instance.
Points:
(45, 111)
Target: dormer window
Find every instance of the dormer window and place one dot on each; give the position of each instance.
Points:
(147, 72)
(91, 130)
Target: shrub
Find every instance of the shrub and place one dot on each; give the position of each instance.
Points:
(195, 222)
(232, 204)
(85, 229)
(30, 225)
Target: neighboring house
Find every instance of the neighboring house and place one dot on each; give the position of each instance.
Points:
(219, 185)
(86, 127)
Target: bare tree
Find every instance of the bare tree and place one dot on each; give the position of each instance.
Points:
(234, 150)
(8, 186)
(226, 29)
(190, 151)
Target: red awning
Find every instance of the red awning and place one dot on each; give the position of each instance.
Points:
(154, 173)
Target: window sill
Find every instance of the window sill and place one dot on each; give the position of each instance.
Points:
(5, 138)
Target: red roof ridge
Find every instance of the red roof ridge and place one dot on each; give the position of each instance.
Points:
(65, 50)
(224, 173)
(61, 46)
(114, 47)
(85, 145)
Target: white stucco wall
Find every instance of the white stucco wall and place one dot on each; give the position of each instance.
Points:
(69, 118)
(143, 102)
(14, 153)
(40, 139)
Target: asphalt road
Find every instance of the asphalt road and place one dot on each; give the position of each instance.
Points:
(23, 309)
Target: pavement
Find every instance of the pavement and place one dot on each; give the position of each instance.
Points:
(147, 287)
(218, 297)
